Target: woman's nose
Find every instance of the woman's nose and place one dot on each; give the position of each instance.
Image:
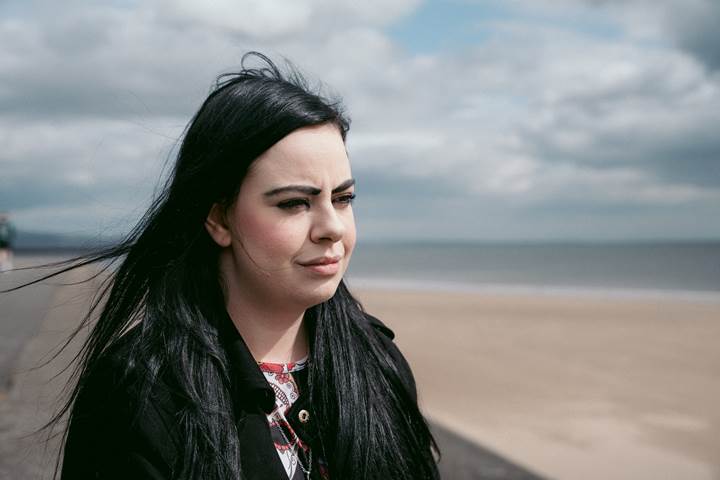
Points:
(328, 225)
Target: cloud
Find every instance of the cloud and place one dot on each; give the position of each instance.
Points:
(54, 171)
(257, 19)
(104, 61)
(689, 24)
(280, 18)
(656, 112)
(695, 29)
(524, 133)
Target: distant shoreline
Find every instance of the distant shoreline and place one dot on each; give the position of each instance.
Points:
(425, 283)
(511, 289)
(53, 251)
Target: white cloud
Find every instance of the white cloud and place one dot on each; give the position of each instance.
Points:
(256, 18)
(281, 18)
(688, 24)
(415, 140)
(540, 114)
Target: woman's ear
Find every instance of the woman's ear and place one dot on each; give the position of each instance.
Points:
(217, 226)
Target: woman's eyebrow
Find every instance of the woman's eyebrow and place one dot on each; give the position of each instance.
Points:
(309, 190)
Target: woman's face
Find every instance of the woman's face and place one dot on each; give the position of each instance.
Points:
(290, 233)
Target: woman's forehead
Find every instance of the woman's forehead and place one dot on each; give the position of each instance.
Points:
(309, 154)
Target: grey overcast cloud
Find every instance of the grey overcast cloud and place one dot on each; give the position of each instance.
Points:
(487, 120)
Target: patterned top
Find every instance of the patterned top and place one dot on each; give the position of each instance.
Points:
(287, 443)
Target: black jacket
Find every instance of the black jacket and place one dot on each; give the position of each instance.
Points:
(105, 443)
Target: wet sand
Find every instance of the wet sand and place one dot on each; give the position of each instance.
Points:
(568, 386)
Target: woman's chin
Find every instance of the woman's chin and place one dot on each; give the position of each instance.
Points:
(319, 294)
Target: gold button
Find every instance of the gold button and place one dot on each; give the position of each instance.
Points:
(304, 416)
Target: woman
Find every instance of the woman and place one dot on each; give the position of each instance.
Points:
(228, 345)
(7, 235)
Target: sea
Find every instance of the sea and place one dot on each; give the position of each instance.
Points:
(644, 269)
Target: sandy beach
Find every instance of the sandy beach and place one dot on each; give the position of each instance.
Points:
(568, 386)
(35, 321)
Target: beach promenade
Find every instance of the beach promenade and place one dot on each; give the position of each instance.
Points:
(35, 322)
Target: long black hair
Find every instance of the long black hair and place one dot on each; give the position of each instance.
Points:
(167, 285)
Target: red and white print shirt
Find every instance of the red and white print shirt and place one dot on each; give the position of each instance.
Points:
(279, 376)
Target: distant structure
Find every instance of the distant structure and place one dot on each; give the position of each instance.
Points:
(7, 235)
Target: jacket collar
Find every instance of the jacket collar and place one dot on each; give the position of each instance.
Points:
(249, 387)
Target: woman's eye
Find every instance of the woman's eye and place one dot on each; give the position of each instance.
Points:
(301, 203)
(294, 204)
(346, 199)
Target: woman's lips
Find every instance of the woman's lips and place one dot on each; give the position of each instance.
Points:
(325, 266)
(330, 268)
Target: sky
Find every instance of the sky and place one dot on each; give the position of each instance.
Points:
(495, 120)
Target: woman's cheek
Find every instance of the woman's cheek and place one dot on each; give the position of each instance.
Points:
(350, 235)
(256, 226)
(280, 239)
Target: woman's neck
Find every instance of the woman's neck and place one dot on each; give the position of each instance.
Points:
(271, 335)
